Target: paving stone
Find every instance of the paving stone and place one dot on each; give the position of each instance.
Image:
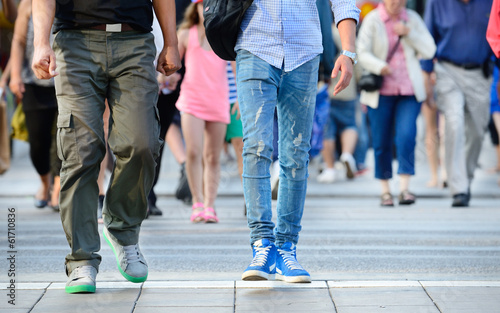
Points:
(189, 284)
(25, 299)
(381, 296)
(466, 299)
(176, 309)
(283, 300)
(387, 309)
(186, 298)
(104, 300)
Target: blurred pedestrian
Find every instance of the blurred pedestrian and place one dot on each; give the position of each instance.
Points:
(94, 63)
(389, 41)
(169, 93)
(277, 68)
(204, 106)
(462, 85)
(341, 125)
(493, 30)
(38, 98)
(234, 131)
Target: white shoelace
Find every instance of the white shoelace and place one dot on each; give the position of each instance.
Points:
(290, 260)
(83, 271)
(132, 253)
(261, 255)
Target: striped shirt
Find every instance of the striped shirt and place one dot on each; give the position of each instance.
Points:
(286, 33)
(233, 96)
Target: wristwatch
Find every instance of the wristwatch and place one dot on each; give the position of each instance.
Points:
(350, 55)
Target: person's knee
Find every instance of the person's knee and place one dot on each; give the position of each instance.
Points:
(257, 148)
(193, 155)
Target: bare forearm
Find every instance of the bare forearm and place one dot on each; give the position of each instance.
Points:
(43, 17)
(165, 13)
(347, 32)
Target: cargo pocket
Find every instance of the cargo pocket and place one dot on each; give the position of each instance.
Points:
(66, 138)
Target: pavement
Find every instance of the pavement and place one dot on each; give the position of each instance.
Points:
(362, 258)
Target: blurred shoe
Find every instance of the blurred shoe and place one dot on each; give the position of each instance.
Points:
(350, 164)
(210, 216)
(130, 261)
(460, 200)
(287, 267)
(275, 179)
(100, 205)
(263, 265)
(386, 200)
(82, 280)
(362, 171)
(41, 203)
(197, 214)
(406, 198)
(153, 209)
(327, 176)
(55, 208)
(183, 192)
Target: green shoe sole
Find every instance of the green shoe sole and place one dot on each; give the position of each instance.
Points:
(127, 276)
(80, 289)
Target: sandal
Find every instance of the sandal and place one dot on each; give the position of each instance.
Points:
(198, 213)
(386, 200)
(406, 198)
(210, 216)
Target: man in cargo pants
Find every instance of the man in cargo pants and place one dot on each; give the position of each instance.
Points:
(105, 50)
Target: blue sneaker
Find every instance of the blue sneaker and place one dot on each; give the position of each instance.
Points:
(264, 261)
(287, 267)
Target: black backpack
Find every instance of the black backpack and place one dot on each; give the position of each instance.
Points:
(222, 24)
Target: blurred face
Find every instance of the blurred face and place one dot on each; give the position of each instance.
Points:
(394, 7)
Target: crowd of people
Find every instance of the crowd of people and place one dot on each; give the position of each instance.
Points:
(94, 106)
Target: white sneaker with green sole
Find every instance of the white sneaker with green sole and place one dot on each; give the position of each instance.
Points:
(130, 260)
(82, 280)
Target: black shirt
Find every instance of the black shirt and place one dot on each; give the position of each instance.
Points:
(71, 14)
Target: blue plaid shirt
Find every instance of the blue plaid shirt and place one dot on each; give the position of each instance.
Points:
(287, 33)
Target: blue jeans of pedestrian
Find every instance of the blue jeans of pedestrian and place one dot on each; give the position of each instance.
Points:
(394, 122)
(261, 89)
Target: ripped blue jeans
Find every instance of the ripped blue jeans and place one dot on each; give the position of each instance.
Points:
(261, 89)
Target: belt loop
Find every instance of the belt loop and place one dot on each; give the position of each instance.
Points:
(115, 28)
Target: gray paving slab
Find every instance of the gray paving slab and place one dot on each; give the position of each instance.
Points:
(466, 299)
(25, 299)
(202, 309)
(186, 298)
(283, 300)
(388, 309)
(381, 296)
(104, 300)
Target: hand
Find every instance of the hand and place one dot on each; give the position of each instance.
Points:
(386, 70)
(169, 61)
(401, 29)
(16, 85)
(44, 62)
(236, 108)
(345, 66)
